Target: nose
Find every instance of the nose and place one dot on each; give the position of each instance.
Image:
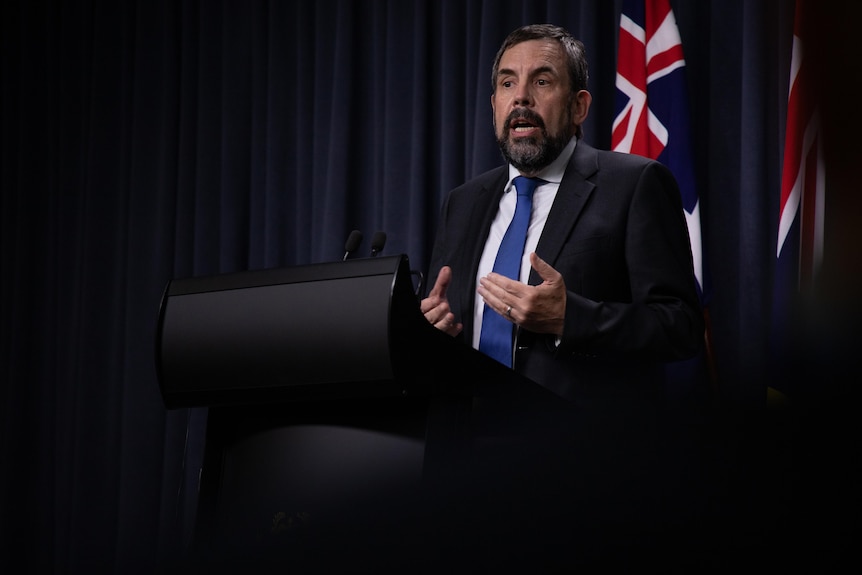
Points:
(523, 95)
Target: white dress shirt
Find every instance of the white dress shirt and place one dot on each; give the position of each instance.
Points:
(543, 199)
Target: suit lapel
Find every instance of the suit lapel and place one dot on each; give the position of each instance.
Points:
(572, 196)
(484, 209)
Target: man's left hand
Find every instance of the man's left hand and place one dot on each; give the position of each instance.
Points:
(540, 309)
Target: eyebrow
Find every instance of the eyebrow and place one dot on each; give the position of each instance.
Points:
(537, 71)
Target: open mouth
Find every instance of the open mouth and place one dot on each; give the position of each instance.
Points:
(524, 123)
(521, 126)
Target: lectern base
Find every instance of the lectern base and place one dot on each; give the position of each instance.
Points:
(378, 486)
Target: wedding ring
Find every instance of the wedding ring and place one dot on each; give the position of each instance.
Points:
(509, 311)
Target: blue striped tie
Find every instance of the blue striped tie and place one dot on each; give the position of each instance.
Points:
(497, 331)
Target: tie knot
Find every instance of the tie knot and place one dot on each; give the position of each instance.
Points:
(526, 186)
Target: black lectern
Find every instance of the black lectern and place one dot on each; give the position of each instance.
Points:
(341, 423)
(341, 329)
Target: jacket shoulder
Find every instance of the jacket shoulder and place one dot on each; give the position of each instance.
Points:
(485, 180)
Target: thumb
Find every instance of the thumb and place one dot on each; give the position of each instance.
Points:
(543, 268)
(442, 283)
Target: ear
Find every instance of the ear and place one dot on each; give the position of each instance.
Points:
(581, 107)
(493, 114)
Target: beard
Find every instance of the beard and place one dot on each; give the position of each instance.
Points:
(529, 155)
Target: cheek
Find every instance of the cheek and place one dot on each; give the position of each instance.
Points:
(499, 110)
(499, 122)
(555, 122)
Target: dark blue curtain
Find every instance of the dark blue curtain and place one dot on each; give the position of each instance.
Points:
(150, 140)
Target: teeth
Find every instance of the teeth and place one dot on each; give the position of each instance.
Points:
(523, 128)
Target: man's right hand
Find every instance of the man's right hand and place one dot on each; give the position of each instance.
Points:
(436, 308)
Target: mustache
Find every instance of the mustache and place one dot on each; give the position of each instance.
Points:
(524, 114)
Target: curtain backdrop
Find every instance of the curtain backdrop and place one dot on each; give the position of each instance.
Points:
(158, 139)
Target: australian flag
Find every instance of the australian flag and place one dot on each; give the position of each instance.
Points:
(799, 246)
(652, 119)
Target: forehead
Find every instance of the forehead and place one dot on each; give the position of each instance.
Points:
(533, 54)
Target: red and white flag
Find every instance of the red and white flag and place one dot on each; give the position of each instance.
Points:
(799, 246)
(652, 109)
(803, 177)
(652, 120)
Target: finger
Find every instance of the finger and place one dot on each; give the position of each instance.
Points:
(497, 297)
(501, 287)
(446, 322)
(453, 328)
(543, 268)
(435, 307)
(435, 310)
(442, 283)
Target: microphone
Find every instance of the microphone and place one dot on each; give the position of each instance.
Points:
(353, 241)
(378, 240)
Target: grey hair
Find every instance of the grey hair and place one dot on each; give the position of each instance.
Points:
(576, 53)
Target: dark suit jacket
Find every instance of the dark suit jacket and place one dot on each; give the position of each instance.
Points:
(605, 457)
(617, 234)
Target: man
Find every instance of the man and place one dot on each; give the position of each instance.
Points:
(611, 293)
(605, 295)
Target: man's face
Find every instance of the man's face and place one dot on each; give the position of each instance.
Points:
(535, 114)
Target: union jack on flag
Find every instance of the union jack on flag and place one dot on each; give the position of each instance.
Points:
(652, 104)
(800, 223)
(653, 120)
(799, 247)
